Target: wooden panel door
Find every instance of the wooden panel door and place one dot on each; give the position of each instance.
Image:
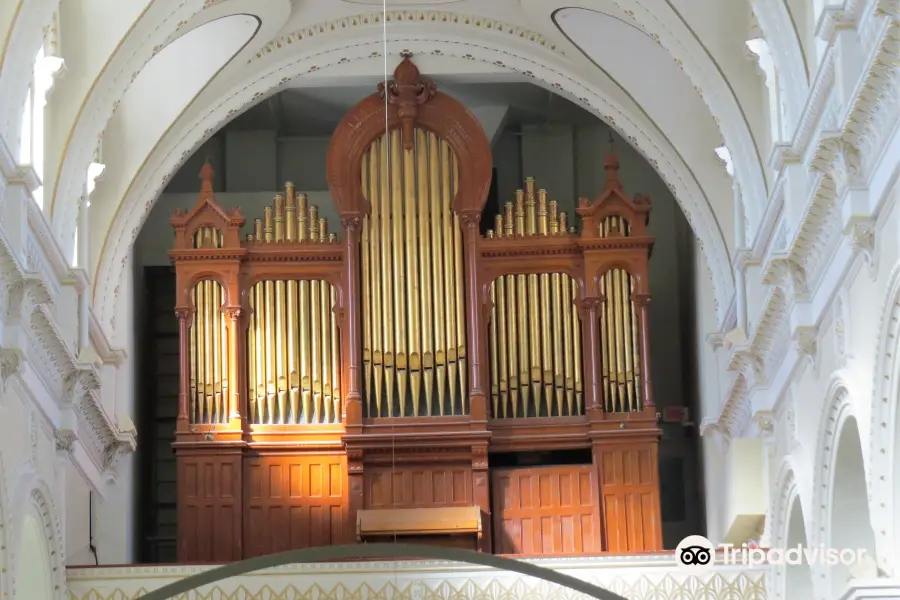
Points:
(631, 508)
(209, 507)
(294, 502)
(546, 510)
(418, 487)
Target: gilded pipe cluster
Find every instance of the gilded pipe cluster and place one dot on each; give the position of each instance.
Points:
(620, 339)
(535, 329)
(294, 366)
(414, 330)
(209, 354)
(208, 237)
(291, 219)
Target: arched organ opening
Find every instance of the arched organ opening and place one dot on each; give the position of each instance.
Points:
(405, 376)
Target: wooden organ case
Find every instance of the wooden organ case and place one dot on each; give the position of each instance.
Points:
(348, 387)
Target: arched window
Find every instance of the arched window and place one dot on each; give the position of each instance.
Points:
(47, 65)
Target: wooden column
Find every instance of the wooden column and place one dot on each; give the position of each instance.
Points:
(185, 316)
(590, 335)
(474, 321)
(642, 303)
(351, 335)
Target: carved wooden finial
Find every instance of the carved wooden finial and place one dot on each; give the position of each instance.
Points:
(206, 176)
(407, 91)
(611, 166)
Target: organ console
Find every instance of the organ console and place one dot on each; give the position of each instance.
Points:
(407, 369)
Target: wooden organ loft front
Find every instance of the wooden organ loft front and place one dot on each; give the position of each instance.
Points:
(408, 377)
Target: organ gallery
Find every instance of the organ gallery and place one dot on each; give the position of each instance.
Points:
(404, 374)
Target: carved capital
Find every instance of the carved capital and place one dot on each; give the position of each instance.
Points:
(184, 314)
(641, 300)
(806, 341)
(479, 458)
(765, 425)
(65, 439)
(10, 364)
(470, 219)
(352, 223)
(862, 237)
(233, 313)
(112, 453)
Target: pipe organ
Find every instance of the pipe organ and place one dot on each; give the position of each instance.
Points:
(331, 380)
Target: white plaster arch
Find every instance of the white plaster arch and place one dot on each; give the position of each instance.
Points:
(543, 67)
(841, 489)
(798, 579)
(793, 79)
(884, 428)
(33, 496)
(5, 588)
(659, 20)
(24, 41)
(124, 70)
(34, 576)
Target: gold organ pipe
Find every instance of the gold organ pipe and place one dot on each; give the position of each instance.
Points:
(438, 275)
(399, 271)
(553, 217)
(258, 230)
(209, 353)
(530, 207)
(425, 206)
(335, 359)
(387, 243)
(271, 365)
(546, 309)
(367, 284)
(279, 217)
(461, 352)
(626, 337)
(513, 346)
(570, 341)
(376, 285)
(502, 367)
(563, 222)
(498, 225)
(315, 355)
(304, 312)
(259, 393)
(559, 379)
(293, 356)
(576, 347)
(449, 255)
(495, 375)
(413, 290)
(208, 350)
(251, 357)
(290, 213)
(508, 219)
(605, 377)
(195, 352)
(327, 391)
(281, 374)
(302, 218)
(314, 223)
(268, 228)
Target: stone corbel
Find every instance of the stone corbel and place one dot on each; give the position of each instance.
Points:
(793, 277)
(838, 156)
(764, 420)
(826, 152)
(28, 291)
(111, 454)
(77, 384)
(806, 340)
(713, 430)
(65, 440)
(862, 236)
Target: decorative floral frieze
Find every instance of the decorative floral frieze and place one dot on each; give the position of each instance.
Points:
(405, 16)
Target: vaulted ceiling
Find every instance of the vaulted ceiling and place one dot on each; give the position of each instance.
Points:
(141, 92)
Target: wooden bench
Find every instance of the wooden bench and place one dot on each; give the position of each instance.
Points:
(459, 527)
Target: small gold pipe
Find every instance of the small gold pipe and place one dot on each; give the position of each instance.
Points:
(259, 393)
(508, 220)
(290, 214)
(570, 341)
(401, 317)
(512, 319)
(323, 230)
(498, 225)
(520, 213)
(543, 226)
(502, 364)
(215, 322)
(335, 359)
(450, 322)
(376, 287)
(425, 251)
(279, 217)
(258, 230)
(293, 331)
(553, 217)
(194, 353)
(563, 222)
(438, 275)
(269, 229)
(316, 348)
(303, 300)
(530, 208)
(302, 218)
(325, 315)
(413, 288)
(559, 378)
(314, 223)
(225, 412)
